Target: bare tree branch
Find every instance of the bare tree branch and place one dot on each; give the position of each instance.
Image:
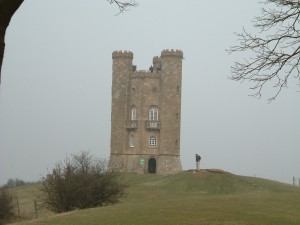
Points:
(275, 51)
(9, 7)
(123, 6)
(7, 10)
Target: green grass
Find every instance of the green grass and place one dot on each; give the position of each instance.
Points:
(26, 196)
(192, 198)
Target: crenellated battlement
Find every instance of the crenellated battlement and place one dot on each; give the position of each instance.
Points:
(122, 54)
(156, 59)
(172, 53)
(142, 74)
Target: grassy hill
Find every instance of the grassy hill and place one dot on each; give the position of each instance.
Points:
(189, 198)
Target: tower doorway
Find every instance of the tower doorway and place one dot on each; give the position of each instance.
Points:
(152, 165)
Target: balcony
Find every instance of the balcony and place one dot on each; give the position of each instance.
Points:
(152, 125)
(131, 125)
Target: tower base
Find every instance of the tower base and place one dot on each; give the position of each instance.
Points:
(155, 164)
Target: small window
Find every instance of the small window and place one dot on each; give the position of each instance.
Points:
(133, 89)
(153, 141)
(153, 113)
(177, 116)
(132, 141)
(178, 90)
(133, 113)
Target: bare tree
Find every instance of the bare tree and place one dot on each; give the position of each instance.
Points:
(275, 51)
(79, 182)
(9, 7)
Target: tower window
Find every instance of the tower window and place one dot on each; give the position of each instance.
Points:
(153, 113)
(153, 141)
(133, 89)
(177, 116)
(132, 141)
(133, 113)
(178, 90)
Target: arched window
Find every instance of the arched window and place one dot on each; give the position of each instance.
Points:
(132, 141)
(153, 113)
(153, 141)
(133, 113)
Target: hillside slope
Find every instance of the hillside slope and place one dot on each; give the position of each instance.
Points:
(206, 197)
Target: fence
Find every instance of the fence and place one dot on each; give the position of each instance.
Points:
(27, 210)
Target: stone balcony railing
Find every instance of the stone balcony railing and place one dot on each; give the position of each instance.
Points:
(152, 125)
(131, 125)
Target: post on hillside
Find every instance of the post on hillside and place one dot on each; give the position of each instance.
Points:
(198, 158)
(36, 210)
(294, 181)
(18, 206)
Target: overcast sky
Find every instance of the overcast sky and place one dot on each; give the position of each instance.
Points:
(56, 86)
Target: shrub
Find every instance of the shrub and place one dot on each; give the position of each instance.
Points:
(6, 206)
(81, 181)
(12, 183)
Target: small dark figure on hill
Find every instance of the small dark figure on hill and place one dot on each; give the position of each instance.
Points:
(198, 158)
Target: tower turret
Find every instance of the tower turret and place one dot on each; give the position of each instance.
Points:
(170, 107)
(121, 69)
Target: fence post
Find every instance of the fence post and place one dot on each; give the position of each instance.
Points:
(18, 207)
(36, 210)
(293, 181)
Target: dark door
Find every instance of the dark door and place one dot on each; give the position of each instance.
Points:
(152, 166)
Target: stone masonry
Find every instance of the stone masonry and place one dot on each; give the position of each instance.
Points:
(146, 113)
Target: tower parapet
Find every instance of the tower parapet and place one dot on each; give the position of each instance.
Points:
(172, 53)
(122, 54)
(156, 59)
(143, 74)
(156, 63)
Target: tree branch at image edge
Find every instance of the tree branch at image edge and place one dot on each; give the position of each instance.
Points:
(275, 52)
(9, 7)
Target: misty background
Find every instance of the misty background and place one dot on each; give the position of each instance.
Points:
(55, 95)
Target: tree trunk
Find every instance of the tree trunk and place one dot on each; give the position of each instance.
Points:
(7, 10)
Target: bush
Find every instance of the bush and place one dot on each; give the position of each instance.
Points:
(12, 183)
(6, 206)
(81, 181)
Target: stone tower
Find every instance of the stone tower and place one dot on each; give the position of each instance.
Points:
(146, 113)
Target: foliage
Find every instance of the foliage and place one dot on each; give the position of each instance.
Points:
(6, 206)
(275, 51)
(81, 181)
(12, 183)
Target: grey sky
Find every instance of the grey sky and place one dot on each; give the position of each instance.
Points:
(56, 86)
